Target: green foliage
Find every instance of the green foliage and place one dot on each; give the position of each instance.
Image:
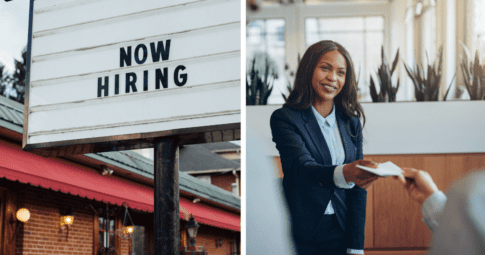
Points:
(16, 80)
(474, 75)
(427, 81)
(2, 79)
(259, 87)
(387, 92)
(19, 77)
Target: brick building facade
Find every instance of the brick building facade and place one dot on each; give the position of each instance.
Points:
(221, 165)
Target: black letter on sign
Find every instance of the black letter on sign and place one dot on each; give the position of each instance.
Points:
(164, 51)
(117, 84)
(145, 80)
(137, 51)
(130, 82)
(125, 56)
(159, 76)
(183, 76)
(101, 87)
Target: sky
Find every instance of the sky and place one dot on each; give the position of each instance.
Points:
(14, 26)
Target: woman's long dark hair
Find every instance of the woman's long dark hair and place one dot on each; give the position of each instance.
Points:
(303, 96)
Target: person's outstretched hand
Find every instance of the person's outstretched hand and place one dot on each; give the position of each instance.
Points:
(360, 177)
(418, 183)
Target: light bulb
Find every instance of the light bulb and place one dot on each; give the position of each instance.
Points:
(129, 229)
(67, 220)
(23, 215)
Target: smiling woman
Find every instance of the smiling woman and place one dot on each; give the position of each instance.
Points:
(328, 79)
(304, 93)
(316, 132)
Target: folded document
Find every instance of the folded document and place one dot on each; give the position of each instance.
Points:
(384, 169)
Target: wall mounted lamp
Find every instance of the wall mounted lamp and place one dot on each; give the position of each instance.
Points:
(219, 242)
(22, 216)
(192, 227)
(128, 228)
(67, 219)
(106, 171)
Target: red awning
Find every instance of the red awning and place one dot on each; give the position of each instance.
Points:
(64, 176)
(211, 216)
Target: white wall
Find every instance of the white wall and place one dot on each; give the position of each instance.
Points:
(404, 128)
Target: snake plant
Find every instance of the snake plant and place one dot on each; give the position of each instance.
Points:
(387, 92)
(473, 74)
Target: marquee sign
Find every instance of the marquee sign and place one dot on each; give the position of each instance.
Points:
(117, 74)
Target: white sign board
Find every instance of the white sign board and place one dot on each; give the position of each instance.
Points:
(112, 70)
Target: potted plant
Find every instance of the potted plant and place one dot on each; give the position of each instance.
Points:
(387, 92)
(259, 86)
(427, 81)
(473, 74)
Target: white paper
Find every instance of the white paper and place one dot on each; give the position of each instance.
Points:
(384, 169)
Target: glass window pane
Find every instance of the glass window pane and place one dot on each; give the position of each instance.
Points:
(374, 23)
(479, 24)
(270, 44)
(111, 239)
(101, 223)
(374, 53)
(111, 225)
(311, 31)
(254, 32)
(311, 25)
(101, 239)
(479, 13)
(272, 25)
(342, 24)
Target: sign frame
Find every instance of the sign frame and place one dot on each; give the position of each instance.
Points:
(190, 135)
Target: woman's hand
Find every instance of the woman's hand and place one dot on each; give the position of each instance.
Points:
(360, 177)
(418, 183)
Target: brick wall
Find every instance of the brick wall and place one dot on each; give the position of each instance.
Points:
(42, 233)
(207, 236)
(224, 181)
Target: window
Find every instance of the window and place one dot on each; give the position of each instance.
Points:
(479, 23)
(206, 178)
(409, 58)
(102, 237)
(428, 34)
(349, 31)
(266, 39)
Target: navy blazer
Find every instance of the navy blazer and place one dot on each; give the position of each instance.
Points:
(308, 174)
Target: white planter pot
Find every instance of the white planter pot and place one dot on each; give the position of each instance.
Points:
(403, 127)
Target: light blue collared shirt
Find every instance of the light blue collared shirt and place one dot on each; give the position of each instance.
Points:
(432, 207)
(331, 133)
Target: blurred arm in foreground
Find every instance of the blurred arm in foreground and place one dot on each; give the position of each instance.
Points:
(457, 219)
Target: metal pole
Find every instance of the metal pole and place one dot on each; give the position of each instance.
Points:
(106, 227)
(167, 220)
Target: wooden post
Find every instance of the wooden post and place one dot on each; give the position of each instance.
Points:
(167, 220)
